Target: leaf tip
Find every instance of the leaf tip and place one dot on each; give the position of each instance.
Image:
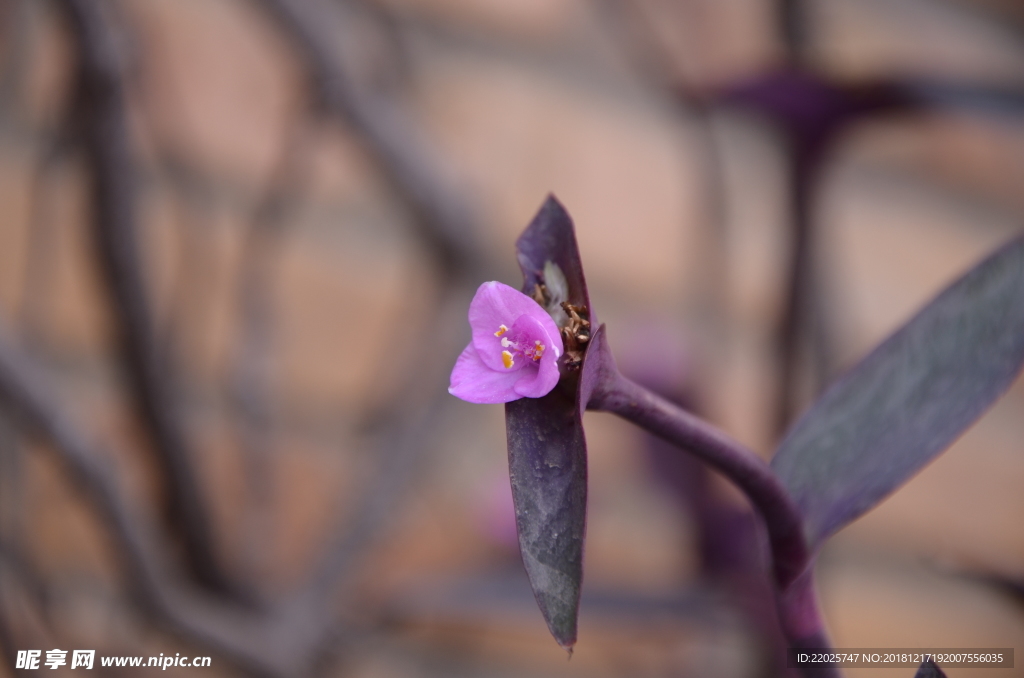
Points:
(929, 669)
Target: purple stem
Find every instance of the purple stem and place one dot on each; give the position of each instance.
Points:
(653, 413)
(801, 622)
(791, 558)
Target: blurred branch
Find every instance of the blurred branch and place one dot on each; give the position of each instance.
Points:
(391, 62)
(40, 259)
(797, 310)
(12, 485)
(793, 31)
(399, 451)
(198, 194)
(15, 28)
(311, 614)
(1005, 101)
(250, 369)
(37, 272)
(316, 618)
(1007, 584)
(257, 642)
(444, 219)
(8, 646)
(1012, 588)
(634, 26)
(1003, 15)
(15, 561)
(103, 129)
(445, 222)
(190, 307)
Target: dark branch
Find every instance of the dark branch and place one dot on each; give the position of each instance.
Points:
(39, 259)
(634, 26)
(444, 219)
(793, 31)
(795, 320)
(103, 130)
(251, 365)
(270, 645)
(400, 451)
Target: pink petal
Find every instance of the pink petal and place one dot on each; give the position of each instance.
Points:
(496, 304)
(538, 382)
(480, 375)
(475, 382)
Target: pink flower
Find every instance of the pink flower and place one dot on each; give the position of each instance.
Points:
(514, 352)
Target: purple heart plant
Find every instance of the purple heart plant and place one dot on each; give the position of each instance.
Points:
(538, 352)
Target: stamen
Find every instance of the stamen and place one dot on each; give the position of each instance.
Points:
(505, 343)
(507, 360)
(501, 330)
(538, 350)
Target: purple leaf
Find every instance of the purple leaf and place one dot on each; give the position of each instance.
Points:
(547, 452)
(812, 111)
(550, 237)
(909, 399)
(929, 669)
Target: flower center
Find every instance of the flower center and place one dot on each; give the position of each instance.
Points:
(518, 347)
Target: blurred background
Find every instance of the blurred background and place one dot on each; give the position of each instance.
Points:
(237, 243)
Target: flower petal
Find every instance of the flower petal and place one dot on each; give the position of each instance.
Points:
(475, 382)
(538, 380)
(496, 304)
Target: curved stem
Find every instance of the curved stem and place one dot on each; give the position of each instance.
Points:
(629, 400)
(800, 618)
(605, 389)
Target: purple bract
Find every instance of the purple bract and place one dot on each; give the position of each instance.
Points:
(514, 352)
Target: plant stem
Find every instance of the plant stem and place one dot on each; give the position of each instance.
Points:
(605, 389)
(653, 413)
(802, 625)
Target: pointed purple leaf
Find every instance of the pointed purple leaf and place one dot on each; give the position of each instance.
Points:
(547, 460)
(547, 452)
(910, 398)
(551, 237)
(929, 669)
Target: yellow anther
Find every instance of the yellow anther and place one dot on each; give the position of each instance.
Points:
(538, 351)
(507, 360)
(501, 330)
